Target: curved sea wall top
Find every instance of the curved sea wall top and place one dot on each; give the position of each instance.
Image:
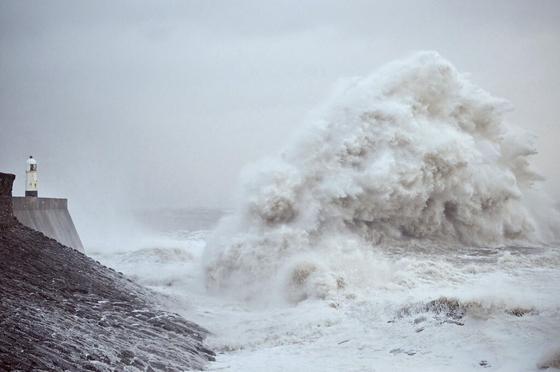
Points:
(49, 216)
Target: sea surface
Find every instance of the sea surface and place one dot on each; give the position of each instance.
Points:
(419, 309)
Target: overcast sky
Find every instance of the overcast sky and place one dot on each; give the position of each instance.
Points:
(161, 103)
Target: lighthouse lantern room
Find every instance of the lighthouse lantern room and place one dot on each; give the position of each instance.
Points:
(31, 178)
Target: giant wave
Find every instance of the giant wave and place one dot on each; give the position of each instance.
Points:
(413, 154)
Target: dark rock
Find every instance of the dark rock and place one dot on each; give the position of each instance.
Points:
(450, 307)
(519, 311)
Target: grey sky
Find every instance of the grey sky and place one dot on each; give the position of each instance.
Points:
(160, 103)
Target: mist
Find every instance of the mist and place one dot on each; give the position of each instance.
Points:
(144, 105)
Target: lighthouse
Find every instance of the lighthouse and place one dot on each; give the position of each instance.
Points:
(47, 215)
(31, 177)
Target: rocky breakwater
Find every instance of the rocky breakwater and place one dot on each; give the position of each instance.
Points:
(60, 310)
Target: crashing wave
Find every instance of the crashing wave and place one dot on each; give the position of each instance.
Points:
(412, 153)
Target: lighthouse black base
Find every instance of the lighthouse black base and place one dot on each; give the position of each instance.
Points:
(31, 193)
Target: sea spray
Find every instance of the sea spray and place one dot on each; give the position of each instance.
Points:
(413, 154)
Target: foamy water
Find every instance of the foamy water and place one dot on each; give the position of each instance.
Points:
(510, 298)
(402, 230)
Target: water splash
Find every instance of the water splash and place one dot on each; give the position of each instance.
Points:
(413, 154)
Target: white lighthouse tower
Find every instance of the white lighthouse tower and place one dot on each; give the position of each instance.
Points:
(31, 178)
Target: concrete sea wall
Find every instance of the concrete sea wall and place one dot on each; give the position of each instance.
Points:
(49, 216)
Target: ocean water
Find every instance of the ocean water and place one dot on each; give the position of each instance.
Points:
(507, 318)
(403, 229)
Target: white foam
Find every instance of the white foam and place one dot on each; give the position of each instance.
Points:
(413, 155)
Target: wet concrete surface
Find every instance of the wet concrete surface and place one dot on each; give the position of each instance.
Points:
(61, 310)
